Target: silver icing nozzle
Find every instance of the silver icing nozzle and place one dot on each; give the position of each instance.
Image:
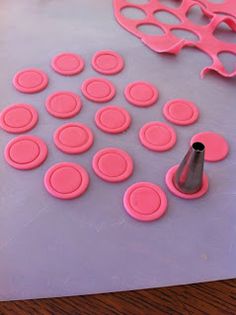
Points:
(188, 177)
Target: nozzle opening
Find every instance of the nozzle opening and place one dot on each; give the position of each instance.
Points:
(198, 146)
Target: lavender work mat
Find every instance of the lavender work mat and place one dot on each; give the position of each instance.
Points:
(50, 247)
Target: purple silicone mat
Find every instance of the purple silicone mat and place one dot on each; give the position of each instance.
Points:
(50, 247)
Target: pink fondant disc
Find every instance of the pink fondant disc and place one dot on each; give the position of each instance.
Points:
(18, 118)
(68, 64)
(98, 90)
(30, 80)
(25, 152)
(145, 201)
(107, 62)
(216, 147)
(112, 164)
(181, 112)
(140, 93)
(63, 104)
(66, 180)
(157, 136)
(73, 138)
(112, 119)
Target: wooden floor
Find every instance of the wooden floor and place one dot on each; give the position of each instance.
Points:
(208, 298)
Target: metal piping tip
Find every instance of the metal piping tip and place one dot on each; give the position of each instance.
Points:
(189, 175)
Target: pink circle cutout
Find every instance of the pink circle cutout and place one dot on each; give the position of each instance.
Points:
(157, 136)
(30, 80)
(216, 147)
(18, 118)
(68, 64)
(145, 201)
(98, 90)
(63, 104)
(66, 180)
(73, 138)
(25, 152)
(112, 119)
(181, 112)
(107, 62)
(112, 164)
(142, 94)
(170, 184)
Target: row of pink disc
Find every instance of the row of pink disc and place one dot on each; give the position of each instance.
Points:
(18, 118)
(156, 136)
(144, 201)
(34, 80)
(28, 152)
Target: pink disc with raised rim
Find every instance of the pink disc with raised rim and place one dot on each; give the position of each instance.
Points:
(112, 119)
(68, 64)
(98, 90)
(63, 104)
(145, 201)
(141, 93)
(66, 180)
(170, 184)
(157, 136)
(25, 152)
(18, 118)
(107, 62)
(73, 138)
(30, 80)
(216, 147)
(112, 164)
(181, 112)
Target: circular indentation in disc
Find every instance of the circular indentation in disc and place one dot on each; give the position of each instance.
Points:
(73, 138)
(140, 93)
(68, 64)
(98, 90)
(181, 112)
(25, 152)
(112, 164)
(18, 118)
(145, 201)
(157, 136)
(66, 180)
(107, 62)
(63, 104)
(216, 147)
(112, 119)
(30, 80)
(170, 184)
